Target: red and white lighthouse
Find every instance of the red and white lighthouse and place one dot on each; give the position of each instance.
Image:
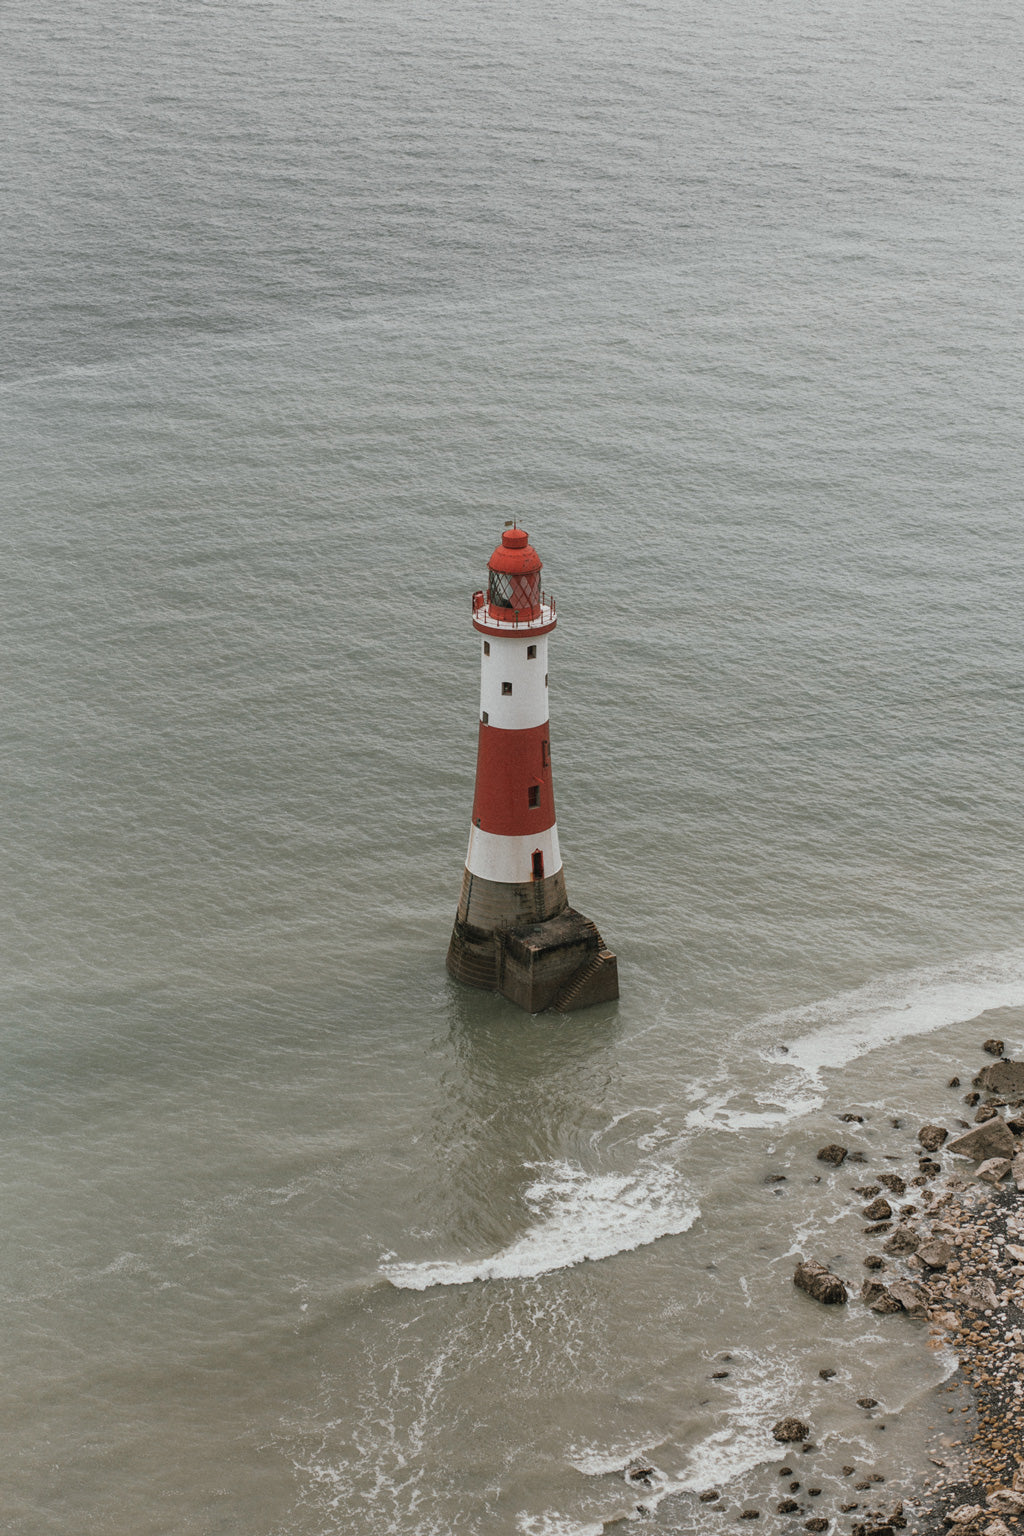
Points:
(515, 931)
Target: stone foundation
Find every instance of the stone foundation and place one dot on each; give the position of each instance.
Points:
(559, 962)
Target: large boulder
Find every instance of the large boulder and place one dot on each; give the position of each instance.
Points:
(833, 1154)
(1002, 1077)
(819, 1282)
(931, 1137)
(993, 1170)
(935, 1253)
(879, 1298)
(993, 1139)
(791, 1429)
(903, 1241)
(878, 1210)
(910, 1297)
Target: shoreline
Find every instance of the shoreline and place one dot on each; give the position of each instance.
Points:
(947, 1248)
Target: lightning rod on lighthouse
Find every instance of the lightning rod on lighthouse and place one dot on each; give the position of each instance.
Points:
(515, 932)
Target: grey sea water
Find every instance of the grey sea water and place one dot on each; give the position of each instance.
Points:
(300, 303)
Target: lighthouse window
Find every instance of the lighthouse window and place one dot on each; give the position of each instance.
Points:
(538, 865)
(533, 796)
(545, 679)
(506, 688)
(545, 756)
(484, 716)
(531, 653)
(487, 647)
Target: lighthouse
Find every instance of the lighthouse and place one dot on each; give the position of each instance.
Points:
(515, 932)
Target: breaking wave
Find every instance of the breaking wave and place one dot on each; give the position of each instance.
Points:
(579, 1216)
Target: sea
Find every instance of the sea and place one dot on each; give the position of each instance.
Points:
(302, 300)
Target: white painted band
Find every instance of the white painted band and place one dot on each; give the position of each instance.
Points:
(510, 859)
(509, 666)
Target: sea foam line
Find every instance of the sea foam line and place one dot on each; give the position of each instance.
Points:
(579, 1216)
(894, 1008)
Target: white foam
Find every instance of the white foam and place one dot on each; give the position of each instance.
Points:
(579, 1216)
(840, 1029)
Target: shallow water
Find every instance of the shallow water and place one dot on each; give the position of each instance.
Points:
(299, 306)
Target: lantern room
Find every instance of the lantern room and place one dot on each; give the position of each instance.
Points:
(513, 585)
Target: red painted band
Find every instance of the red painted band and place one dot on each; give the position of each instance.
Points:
(513, 767)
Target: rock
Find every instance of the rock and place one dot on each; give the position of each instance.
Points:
(993, 1139)
(852, 1119)
(709, 1495)
(910, 1297)
(954, 1082)
(819, 1283)
(827, 1373)
(787, 1506)
(878, 1210)
(1017, 1169)
(936, 1253)
(971, 1098)
(893, 1183)
(996, 1528)
(775, 1178)
(791, 1429)
(639, 1470)
(867, 1191)
(994, 1047)
(931, 1137)
(878, 1298)
(833, 1153)
(1006, 1501)
(993, 1170)
(749, 1514)
(981, 1295)
(874, 1261)
(867, 1402)
(1006, 1077)
(985, 1112)
(819, 1523)
(904, 1240)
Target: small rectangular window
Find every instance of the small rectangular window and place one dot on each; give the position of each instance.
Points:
(506, 688)
(533, 796)
(545, 756)
(531, 653)
(545, 679)
(487, 647)
(484, 716)
(538, 865)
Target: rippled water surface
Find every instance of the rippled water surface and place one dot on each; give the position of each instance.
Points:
(300, 303)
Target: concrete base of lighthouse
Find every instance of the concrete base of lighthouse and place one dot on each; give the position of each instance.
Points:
(508, 939)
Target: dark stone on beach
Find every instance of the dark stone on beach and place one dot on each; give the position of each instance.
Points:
(954, 1082)
(827, 1373)
(904, 1240)
(791, 1429)
(718, 1375)
(846, 1508)
(867, 1191)
(852, 1119)
(640, 1471)
(878, 1298)
(994, 1047)
(874, 1261)
(819, 1283)
(867, 1402)
(881, 1226)
(785, 1471)
(833, 1153)
(813, 1493)
(849, 1471)
(1006, 1077)
(993, 1139)
(1016, 1126)
(893, 1183)
(971, 1098)
(775, 1178)
(857, 1157)
(819, 1523)
(931, 1137)
(928, 1166)
(709, 1495)
(787, 1506)
(878, 1210)
(984, 1112)
(749, 1514)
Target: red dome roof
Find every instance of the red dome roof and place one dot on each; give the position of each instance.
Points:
(514, 555)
